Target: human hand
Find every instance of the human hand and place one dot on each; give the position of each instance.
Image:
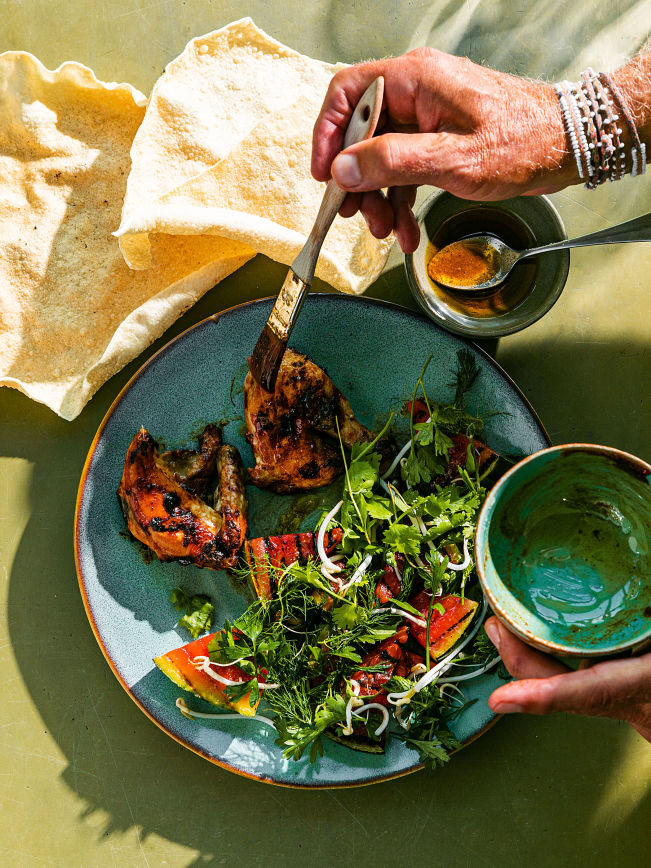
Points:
(476, 132)
(612, 688)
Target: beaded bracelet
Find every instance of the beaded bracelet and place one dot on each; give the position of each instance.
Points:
(615, 156)
(639, 148)
(570, 127)
(585, 111)
(591, 109)
(584, 146)
(595, 118)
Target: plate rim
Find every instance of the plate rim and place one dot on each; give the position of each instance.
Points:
(81, 490)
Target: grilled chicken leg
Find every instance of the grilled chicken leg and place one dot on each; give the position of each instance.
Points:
(163, 510)
(286, 429)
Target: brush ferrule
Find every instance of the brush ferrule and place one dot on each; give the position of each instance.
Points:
(288, 305)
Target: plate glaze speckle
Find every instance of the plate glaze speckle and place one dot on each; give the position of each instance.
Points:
(374, 352)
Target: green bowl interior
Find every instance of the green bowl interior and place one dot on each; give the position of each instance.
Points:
(563, 544)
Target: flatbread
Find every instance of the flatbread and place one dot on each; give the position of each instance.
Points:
(224, 149)
(71, 312)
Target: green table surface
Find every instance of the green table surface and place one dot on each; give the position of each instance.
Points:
(85, 778)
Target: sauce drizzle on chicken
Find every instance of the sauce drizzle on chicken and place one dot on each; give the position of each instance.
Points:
(293, 432)
(162, 500)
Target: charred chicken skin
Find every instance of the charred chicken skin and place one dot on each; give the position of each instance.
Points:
(293, 432)
(163, 507)
(195, 470)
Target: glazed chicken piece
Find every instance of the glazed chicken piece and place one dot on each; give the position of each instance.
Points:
(163, 509)
(293, 432)
(196, 470)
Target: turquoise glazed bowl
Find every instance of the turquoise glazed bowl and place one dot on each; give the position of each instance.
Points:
(562, 549)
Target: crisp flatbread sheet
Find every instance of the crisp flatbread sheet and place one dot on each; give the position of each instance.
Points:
(72, 313)
(224, 149)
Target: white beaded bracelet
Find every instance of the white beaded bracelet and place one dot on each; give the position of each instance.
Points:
(569, 126)
(591, 110)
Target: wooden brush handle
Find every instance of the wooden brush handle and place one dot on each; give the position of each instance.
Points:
(361, 126)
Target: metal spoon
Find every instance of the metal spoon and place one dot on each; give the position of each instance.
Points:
(500, 258)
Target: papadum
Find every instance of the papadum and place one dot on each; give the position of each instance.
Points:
(72, 313)
(224, 149)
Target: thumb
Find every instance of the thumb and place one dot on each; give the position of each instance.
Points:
(614, 688)
(399, 159)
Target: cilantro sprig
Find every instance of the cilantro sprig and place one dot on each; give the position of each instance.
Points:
(197, 608)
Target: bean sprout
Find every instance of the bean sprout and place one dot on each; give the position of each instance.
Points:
(368, 707)
(353, 701)
(400, 454)
(466, 560)
(358, 574)
(205, 665)
(469, 675)
(330, 577)
(405, 724)
(218, 715)
(420, 621)
(331, 566)
(396, 460)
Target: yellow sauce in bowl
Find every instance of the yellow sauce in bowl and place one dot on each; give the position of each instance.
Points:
(464, 263)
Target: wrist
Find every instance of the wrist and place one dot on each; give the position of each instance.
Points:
(634, 81)
(557, 167)
(601, 129)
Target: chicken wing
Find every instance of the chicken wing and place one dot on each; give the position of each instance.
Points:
(293, 432)
(196, 470)
(164, 511)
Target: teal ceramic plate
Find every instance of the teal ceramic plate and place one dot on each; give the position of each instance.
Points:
(373, 352)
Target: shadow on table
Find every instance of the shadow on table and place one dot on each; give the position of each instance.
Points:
(502, 34)
(547, 791)
(550, 787)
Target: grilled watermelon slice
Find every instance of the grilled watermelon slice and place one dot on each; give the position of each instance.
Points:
(281, 551)
(177, 665)
(395, 659)
(445, 628)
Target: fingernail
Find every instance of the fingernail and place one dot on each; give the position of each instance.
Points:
(346, 170)
(494, 633)
(507, 708)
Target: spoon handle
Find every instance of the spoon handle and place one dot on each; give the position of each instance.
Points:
(638, 229)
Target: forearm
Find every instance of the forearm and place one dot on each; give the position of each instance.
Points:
(634, 81)
(479, 134)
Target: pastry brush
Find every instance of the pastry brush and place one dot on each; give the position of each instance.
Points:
(268, 353)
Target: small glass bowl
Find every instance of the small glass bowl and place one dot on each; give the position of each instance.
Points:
(528, 292)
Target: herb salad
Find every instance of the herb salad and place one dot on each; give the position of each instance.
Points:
(374, 634)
